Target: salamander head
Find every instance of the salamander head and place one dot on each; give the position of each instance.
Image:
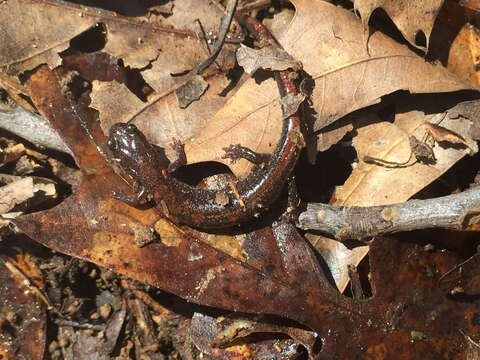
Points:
(131, 149)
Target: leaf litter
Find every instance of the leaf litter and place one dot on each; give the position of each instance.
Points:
(267, 267)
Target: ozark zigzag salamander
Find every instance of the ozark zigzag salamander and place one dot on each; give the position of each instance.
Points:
(237, 202)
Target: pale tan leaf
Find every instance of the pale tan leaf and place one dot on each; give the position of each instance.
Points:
(464, 54)
(30, 33)
(331, 44)
(161, 120)
(410, 16)
(370, 184)
(252, 117)
(15, 193)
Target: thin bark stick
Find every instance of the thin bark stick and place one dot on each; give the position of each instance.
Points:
(31, 127)
(222, 34)
(456, 212)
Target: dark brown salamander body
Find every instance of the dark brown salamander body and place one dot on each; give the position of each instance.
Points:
(236, 202)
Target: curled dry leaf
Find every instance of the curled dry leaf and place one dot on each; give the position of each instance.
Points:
(410, 16)
(464, 54)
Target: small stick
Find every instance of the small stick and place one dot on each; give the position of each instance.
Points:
(76, 324)
(222, 34)
(457, 211)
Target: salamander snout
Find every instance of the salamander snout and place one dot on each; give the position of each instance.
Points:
(128, 144)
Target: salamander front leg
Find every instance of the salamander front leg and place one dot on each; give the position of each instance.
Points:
(179, 149)
(235, 152)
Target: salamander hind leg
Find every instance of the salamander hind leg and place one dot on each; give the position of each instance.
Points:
(235, 152)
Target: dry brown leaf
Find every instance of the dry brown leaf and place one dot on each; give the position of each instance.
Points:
(332, 51)
(37, 42)
(371, 184)
(330, 43)
(464, 55)
(161, 120)
(441, 134)
(331, 47)
(410, 16)
(134, 40)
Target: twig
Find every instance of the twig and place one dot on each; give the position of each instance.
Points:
(254, 5)
(31, 127)
(76, 324)
(222, 34)
(456, 212)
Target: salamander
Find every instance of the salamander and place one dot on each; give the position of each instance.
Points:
(236, 202)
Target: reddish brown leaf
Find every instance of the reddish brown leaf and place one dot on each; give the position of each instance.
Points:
(92, 225)
(205, 331)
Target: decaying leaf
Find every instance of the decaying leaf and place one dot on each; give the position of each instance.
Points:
(464, 278)
(205, 332)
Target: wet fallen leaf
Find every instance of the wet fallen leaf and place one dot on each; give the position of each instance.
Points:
(206, 330)
(464, 278)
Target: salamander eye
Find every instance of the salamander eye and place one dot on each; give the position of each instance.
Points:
(131, 128)
(111, 143)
